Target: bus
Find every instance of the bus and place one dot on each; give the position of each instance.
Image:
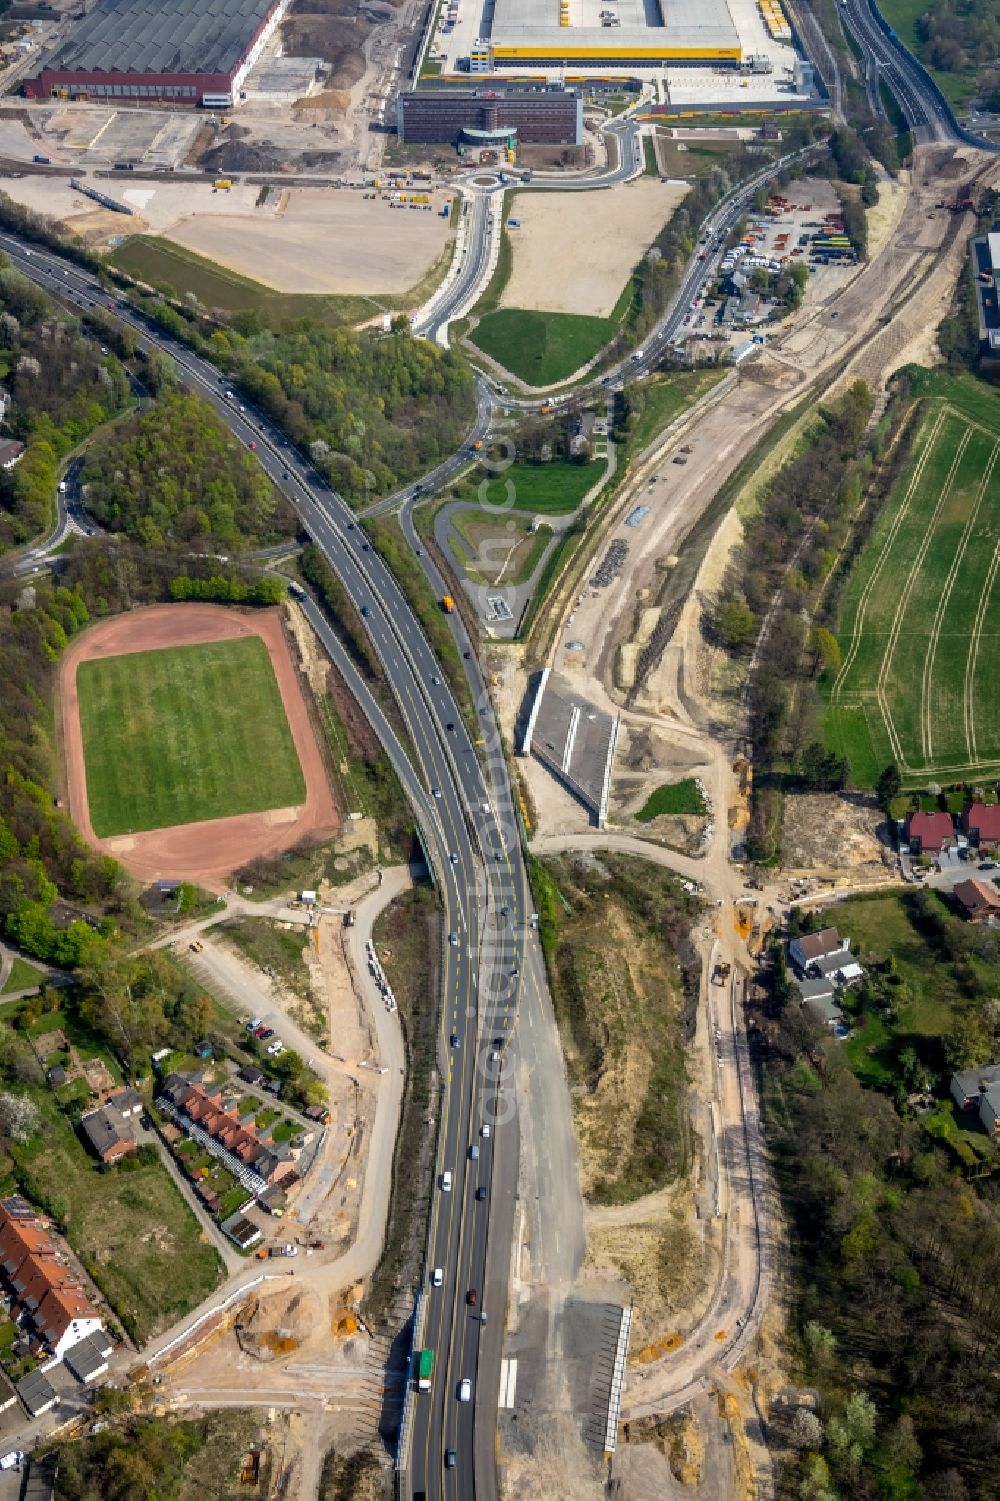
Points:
(425, 1370)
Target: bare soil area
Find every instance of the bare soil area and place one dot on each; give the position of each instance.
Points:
(574, 251)
(834, 833)
(322, 241)
(207, 852)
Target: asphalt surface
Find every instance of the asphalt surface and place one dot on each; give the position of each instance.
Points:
(927, 113)
(472, 843)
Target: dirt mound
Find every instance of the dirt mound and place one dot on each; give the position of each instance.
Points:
(329, 37)
(329, 102)
(278, 1324)
(244, 156)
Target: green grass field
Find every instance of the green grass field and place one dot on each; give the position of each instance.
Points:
(673, 797)
(185, 734)
(22, 976)
(542, 348)
(920, 619)
(552, 489)
(131, 1229)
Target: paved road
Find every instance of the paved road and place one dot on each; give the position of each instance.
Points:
(471, 840)
(928, 115)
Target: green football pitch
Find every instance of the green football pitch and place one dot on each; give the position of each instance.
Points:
(185, 734)
(920, 624)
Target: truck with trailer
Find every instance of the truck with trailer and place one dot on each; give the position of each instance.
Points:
(425, 1370)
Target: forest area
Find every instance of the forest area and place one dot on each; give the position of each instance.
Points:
(372, 408)
(892, 1212)
(175, 473)
(58, 387)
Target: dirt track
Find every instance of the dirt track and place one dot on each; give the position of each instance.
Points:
(206, 852)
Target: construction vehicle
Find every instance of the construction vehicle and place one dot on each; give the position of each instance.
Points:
(223, 184)
(721, 973)
(546, 408)
(447, 604)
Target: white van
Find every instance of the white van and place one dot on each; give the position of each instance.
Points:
(13, 1460)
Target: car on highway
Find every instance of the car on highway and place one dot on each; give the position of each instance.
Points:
(480, 1193)
(472, 1297)
(365, 612)
(446, 1181)
(474, 1153)
(453, 857)
(450, 727)
(450, 1459)
(252, 445)
(456, 1041)
(484, 1129)
(465, 1390)
(453, 940)
(437, 1276)
(435, 792)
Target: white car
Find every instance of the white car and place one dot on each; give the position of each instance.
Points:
(13, 1460)
(275, 1048)
(485, 1130)
(465, 1390)
(437, 1277)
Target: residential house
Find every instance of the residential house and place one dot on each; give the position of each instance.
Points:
(221, 1130)
(107, 1134)
(989, 1110)
(968, 1085)
(818, 989)
(929, 833)
(824, 1009)
(46, 1290)
(981, 821)
(251, 1074)
(842, 968)
(11, 450)
(805, 950)
(128, 1102)
(978, 900)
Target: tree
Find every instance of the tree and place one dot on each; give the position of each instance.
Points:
(888, 785)
(807, 1430)
(735, 623)
(826, 650)
(19, 1118)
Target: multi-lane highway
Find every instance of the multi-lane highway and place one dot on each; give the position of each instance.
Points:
(928, 114)
(468, 830)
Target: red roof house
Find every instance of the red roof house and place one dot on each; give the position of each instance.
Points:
(981, 821)
(929, 832)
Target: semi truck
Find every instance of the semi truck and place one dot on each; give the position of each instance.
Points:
(425, 1370)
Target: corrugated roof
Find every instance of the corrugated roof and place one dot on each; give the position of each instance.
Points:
(160, 36)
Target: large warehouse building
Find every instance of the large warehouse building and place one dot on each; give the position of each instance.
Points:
(491, 117)
(167, 51)
(524, 32)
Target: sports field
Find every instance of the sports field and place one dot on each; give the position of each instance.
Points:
(183, 734)
(920, 623)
